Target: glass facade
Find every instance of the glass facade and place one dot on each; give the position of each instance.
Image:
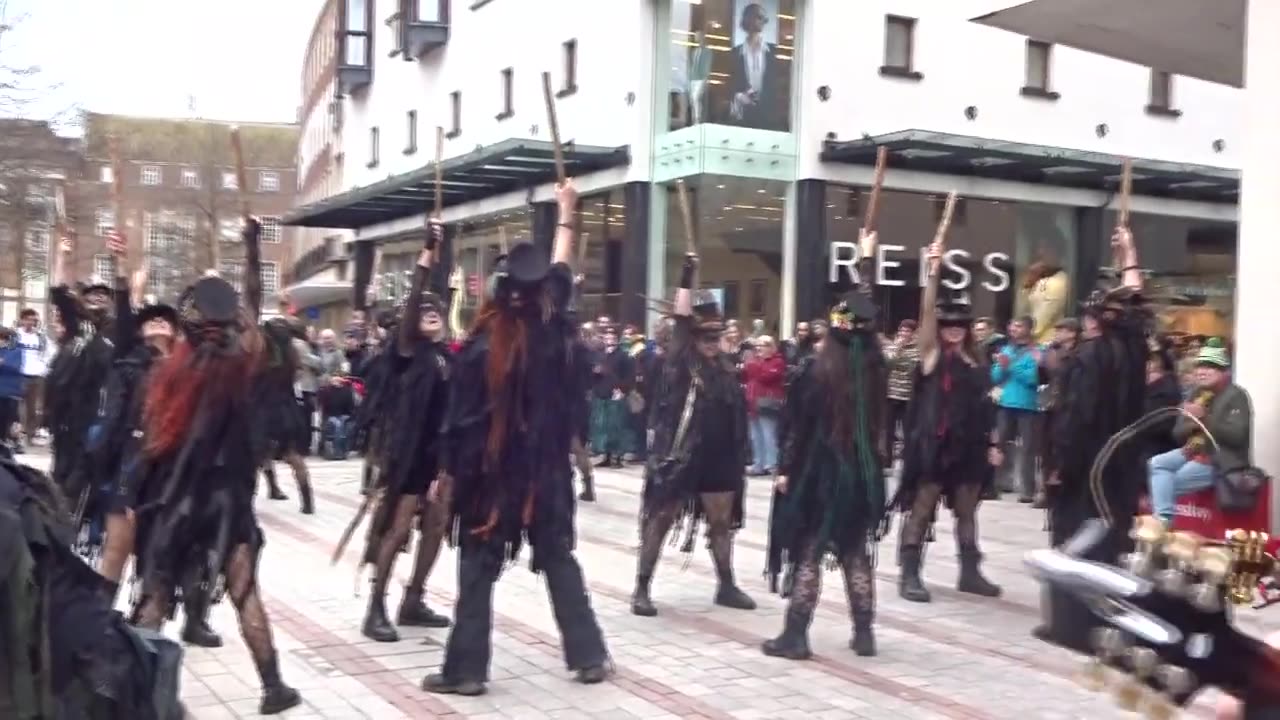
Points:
(732, 63)
(602, 224)
(1192, 266)
(996, 251)
(477, 244)
(739, 226)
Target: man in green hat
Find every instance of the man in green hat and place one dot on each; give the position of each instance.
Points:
(1224, 409)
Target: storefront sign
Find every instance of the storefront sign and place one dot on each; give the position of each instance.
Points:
(845, 255)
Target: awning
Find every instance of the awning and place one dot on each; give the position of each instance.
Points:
(509, 165)
(1196, 38)
(1023, 162)
(314, 293)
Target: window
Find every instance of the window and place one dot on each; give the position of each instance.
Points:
(190, 178)
(373, 148)
(569, 84)
(1161, 100)
(270, 276)
(1039, 57)
(106, 174)
(455, 107)
(229, 229)
(104, 221)
(270, 229)
(151, 175)
(357, 42)
(508, 94)
(268, 181)
(430, 11)
(229, 181)
(168, 232)
(899, 47)
(411, 144)
(104, 268)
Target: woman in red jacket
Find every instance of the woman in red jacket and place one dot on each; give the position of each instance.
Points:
(765, 376)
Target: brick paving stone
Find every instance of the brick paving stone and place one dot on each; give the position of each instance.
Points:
(957, 658)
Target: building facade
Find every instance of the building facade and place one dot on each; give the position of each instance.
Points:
(181, 200)
(771, 112)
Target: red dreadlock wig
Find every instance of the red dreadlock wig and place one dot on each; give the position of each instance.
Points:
(178, 384)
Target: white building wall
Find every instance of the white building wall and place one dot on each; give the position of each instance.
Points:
(965, 64)
(615, 58)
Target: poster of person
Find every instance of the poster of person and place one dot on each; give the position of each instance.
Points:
(758, 79)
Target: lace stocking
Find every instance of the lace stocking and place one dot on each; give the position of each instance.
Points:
(255, 628)
(917, 523)
(964, 502)
(807, 584)
(652, 535)
(435, 519)
(118, 546)
(391, 542)
(859, 581)
(718, 508)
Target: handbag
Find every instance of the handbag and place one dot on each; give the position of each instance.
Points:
(1238, 490)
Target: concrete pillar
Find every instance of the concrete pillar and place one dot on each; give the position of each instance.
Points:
(1258, 253)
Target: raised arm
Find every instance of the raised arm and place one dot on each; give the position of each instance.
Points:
(252, 236)
(684, 292)
(567, 201)
(927, 337)
(412, 311)
(1125, 253)
(867, 244)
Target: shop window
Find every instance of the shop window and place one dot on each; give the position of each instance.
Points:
(739, 227)
(732, 63)
(602, 229)
(476, 246)
(899, 47)
(1039, 60)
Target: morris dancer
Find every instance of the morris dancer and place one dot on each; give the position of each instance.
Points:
(949, 440)
(830, 479)
(697, 459)
(200, 457)
(507, 437)
(418, 396)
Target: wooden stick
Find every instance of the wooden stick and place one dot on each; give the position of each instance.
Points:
(117, 199)
(944, 224)
(439, 199)
(502, 239)
(1126, 191)
(242, 181)
(691, 242)
(873, 207)
(550, 100)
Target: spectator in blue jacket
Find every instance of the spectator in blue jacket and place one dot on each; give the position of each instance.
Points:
(1015, 375)
(12, 382)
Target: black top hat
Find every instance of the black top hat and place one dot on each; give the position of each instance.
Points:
(158, 311)
(211, 300)
(852, 313)
(954, 308)
(526, 264)
(707, 318)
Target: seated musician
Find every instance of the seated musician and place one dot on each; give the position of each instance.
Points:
(1224, 408)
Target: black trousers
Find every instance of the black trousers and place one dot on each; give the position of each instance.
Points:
(470, 646)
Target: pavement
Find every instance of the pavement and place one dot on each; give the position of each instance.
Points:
(960, 657)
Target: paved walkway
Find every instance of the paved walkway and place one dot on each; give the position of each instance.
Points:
(959, 658)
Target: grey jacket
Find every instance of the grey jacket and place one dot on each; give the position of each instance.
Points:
(1230, 420)
(308, 366)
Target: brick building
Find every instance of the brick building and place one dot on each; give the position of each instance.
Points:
(181, 201)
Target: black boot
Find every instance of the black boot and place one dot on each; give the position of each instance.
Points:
(592, 675)
(195, 626)
(728, 593)
(971, 579)
(864, 636)
(793, 643)
(276, 696)
(415, 613)
(308, 499)
(376, 625)
(273, 486)
(439, 684)
(910, 587)
(588, 488)
(606, 462)
(640, 603)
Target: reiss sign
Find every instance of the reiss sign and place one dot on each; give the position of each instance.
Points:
(844, 256)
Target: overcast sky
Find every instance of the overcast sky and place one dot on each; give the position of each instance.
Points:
(238, 59)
